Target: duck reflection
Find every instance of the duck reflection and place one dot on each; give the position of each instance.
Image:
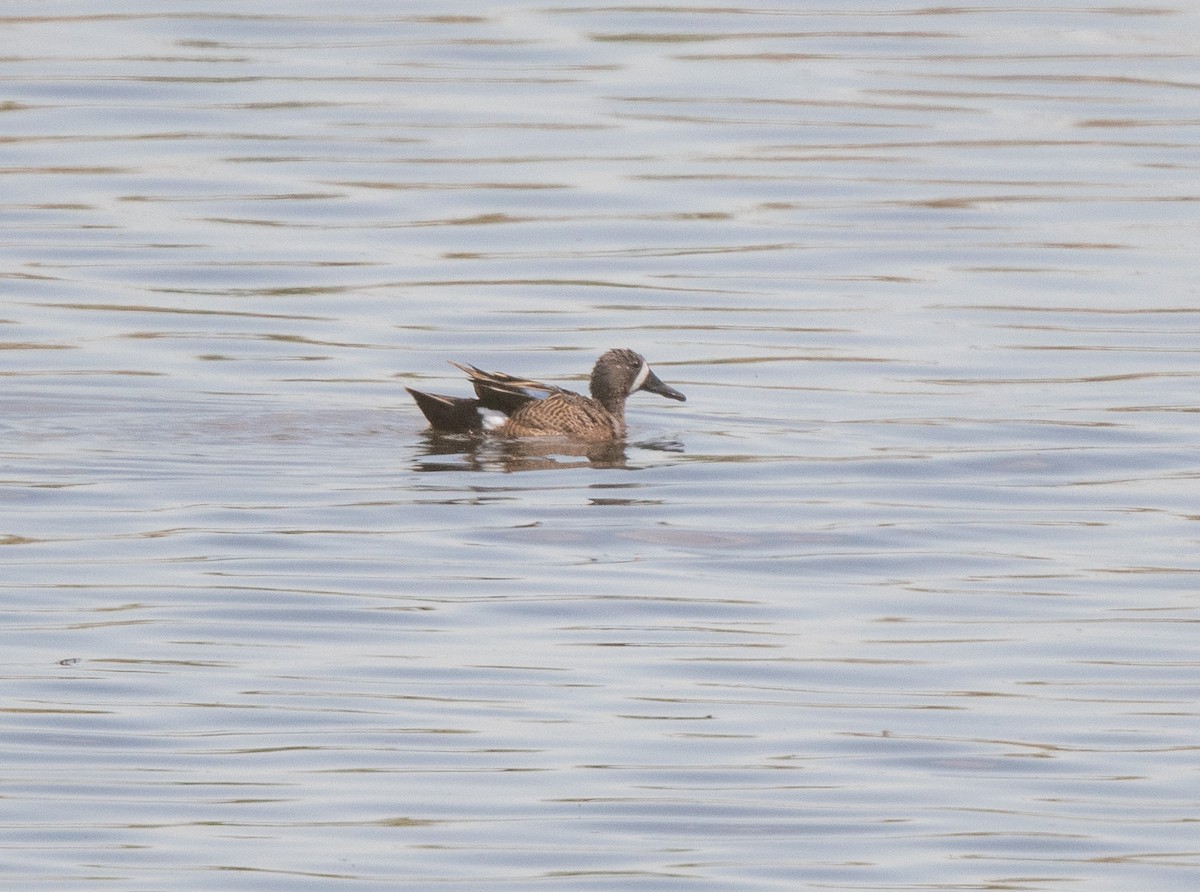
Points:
(465, 452)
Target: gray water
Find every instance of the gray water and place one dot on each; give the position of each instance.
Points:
(903, 597)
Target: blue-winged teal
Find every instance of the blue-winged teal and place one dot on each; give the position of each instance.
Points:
(516, 407)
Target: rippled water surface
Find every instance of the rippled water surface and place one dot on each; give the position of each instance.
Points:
(905, 596)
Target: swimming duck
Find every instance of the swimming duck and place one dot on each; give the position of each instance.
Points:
(517, 407)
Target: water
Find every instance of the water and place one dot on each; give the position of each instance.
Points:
(904, 596)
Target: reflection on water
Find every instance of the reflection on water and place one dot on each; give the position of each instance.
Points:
(482, 453)
(904, 598)
(461, 452)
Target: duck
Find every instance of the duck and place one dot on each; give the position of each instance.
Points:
(508, 406)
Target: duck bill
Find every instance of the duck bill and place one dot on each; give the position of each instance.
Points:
(654, 385)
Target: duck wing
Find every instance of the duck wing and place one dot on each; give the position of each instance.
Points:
(504, 393)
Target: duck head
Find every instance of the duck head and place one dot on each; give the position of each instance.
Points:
(620, 373)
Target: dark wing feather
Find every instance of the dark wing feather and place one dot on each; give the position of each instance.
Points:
(504, 393)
